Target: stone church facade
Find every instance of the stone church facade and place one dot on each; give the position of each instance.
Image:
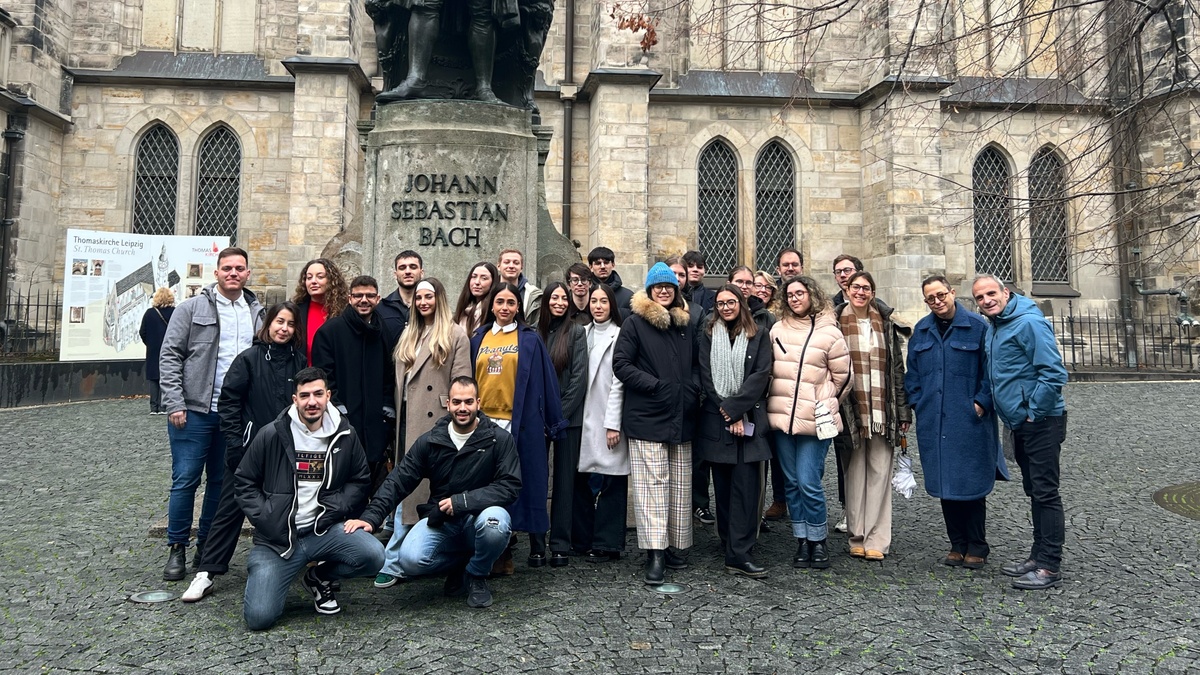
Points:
(247, 118)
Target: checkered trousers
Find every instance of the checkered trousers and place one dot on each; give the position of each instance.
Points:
(661, 489)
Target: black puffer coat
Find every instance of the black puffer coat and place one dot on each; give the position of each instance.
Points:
(656, 357)
(257, 387)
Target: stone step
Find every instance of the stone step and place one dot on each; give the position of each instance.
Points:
(158, 529)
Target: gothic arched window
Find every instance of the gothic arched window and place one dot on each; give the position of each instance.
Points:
(1047, 217)
(156, 182)
(218, 185)
(716, 207)
(991, 185)
(774, 204)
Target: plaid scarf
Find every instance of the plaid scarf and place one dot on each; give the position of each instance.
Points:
(869, 365)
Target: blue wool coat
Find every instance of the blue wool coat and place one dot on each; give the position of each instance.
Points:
(960, 451)
(537, 414)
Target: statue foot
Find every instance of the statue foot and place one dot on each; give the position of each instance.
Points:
(486, 95)
(409, 88)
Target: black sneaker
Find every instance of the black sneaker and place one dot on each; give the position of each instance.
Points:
(456, 583)
(324, 601)
(478, 593)
(705, 516)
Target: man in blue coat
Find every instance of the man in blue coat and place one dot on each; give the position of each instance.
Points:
(948, 388)
(1028, 375)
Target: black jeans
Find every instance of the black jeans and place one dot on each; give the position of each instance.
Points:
(737, 490)
(965, 526)
(565, 528)
(700, 474)
(1037, 447)
(227, 523)
(602, 517)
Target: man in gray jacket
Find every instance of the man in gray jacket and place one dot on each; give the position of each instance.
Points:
(206, 332)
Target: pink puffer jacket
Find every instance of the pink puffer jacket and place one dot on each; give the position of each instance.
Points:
(812, 363)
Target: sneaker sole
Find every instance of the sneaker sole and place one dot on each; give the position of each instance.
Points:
(204, 594)
(479, 605)
(388, 584)
(821, 565)
(742, 573)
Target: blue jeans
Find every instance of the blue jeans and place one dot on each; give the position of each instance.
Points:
(199, 447)
(803, 461)
(269, 575)
(391, 554)
(434, 550)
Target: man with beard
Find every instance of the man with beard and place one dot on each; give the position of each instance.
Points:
(474, 472)
(353, 351)
(393, 310)
(301, 478)
(512, 267)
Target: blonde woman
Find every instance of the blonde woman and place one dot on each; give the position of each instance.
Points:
(152, 330)
(432, 351)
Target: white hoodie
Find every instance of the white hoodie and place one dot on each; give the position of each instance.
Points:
(312, 449)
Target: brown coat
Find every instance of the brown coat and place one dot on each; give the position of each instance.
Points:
(812, 363)
(426, 400)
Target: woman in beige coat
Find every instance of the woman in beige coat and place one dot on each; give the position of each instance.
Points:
(809, 376)
(432, 351)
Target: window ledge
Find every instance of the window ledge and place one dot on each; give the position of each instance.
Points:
(1054, 289)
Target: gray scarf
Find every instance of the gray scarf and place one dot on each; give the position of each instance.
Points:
(728, 362)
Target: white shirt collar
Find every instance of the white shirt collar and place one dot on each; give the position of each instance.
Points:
(226, 301)
(496, 328)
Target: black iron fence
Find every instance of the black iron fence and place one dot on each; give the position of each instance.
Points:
(1100, 341)
(30, 323)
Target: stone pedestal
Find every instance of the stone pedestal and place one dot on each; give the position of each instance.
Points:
(456, 181)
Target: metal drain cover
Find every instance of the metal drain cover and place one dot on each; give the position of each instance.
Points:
(669, 589)
(1182, 499)
(149, 597)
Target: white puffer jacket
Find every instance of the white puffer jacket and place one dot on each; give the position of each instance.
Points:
(812, 363)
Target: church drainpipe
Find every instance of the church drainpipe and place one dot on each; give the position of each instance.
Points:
(568, 119)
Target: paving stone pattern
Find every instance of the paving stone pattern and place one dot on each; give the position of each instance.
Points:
(82, 483)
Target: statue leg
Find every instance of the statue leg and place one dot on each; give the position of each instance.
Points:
(422, 35)
(481, 42)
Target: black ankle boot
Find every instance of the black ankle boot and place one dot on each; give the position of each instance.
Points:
(656, 564)
(818, 554)
(802, 554)
(176, 563)
(537, 549)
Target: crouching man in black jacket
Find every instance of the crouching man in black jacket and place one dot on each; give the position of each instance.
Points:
(301, 478)
(473, 473)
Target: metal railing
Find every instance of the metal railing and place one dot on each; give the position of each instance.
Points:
(31, 323)
(1097, 341)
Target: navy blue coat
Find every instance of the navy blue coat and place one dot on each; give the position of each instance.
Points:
(537, 415)
(960, 451)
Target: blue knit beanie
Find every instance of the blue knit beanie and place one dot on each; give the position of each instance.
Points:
(661, 274)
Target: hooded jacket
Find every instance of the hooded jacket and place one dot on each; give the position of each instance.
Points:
(257, 388)
(531, 300)
(394, 314)
(188, 361)
(486, 472)
(1024, 364)
(265, 483)
(812, 363)
(624, 295)
(656, 357)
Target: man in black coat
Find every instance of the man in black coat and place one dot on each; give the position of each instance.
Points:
(394, 309)
(353, 351)
(602, 261)
(302, 477)
(474, 472)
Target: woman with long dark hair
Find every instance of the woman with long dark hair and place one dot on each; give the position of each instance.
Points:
(257, 387)
(604, 452)
(432, 351)
(321, 292)
(877, 412)
(518, 390)
(656, 359)
(735, 367)
(566, 343)
(812, 369)
(474, 300)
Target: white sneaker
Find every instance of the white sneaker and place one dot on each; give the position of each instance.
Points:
(841, 526)
(201, 586)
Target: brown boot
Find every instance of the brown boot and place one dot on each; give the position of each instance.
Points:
(503, 567)
(777, 511)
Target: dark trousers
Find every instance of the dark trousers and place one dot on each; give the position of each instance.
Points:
(965, 526)
(700, 474)
(602, 518)
(226, 527)
(842, 447)
(564, 528)
(737, 491)
(778, 481)
(1037, 446)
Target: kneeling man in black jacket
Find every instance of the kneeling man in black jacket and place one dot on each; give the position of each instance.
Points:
(301, 478)
(473, 473)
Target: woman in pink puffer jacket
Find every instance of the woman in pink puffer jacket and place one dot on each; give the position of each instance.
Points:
(810, 375)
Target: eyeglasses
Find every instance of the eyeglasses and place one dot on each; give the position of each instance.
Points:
(845, 270)
(761, 287)
(860, 288)
(663, 288)
(936, 297)
(363, 296)
(742, 283)
(727, 304)
(797, 295)
(576, 281)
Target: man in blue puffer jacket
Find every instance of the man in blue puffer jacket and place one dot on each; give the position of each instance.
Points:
(1028, 375)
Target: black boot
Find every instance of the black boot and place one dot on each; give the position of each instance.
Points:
(819, 554)
(656, 563)
(803, 556)
(199, 554)
(176, 563)
(537, 549)
(675, 561)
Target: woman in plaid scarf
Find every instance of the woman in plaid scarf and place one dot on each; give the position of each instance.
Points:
(876, 412)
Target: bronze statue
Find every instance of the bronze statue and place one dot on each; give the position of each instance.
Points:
(485, 50)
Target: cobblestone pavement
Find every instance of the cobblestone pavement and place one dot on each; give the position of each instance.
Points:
(82, 483)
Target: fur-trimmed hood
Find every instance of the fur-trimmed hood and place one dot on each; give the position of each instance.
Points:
(657, 315)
